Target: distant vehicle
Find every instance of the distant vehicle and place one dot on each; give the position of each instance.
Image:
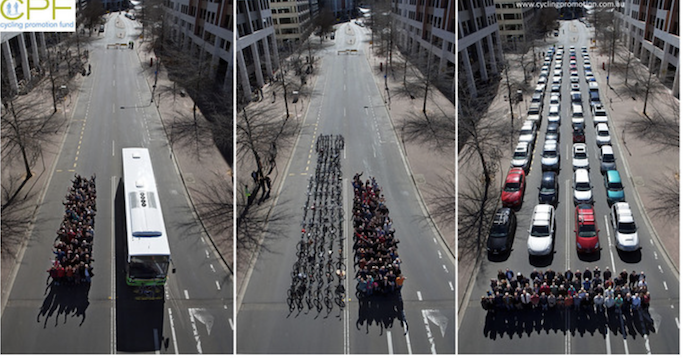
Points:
(600, 115)
(554, 114)
(148, 254)
(578, 134)
(514, 188)
(622, 220)
(522, 156)
(586, 232)
(528, 133)
(102, 28)
(541, 232)
(607, 158)
(577, 114)
(502, 233)
(550, 158)
(552, 132)
(602, 135)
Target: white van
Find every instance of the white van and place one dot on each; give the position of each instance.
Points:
(577, 115)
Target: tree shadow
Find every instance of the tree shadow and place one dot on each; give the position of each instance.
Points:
(64, 300)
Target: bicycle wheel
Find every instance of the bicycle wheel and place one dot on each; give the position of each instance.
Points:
(340, 301)
(291, 303)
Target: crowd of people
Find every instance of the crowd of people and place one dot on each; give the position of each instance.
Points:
(375, 247)
(548, 290)
(74, 243)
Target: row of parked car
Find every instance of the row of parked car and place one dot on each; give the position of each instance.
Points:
(542, 224)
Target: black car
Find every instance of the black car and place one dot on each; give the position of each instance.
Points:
(503, 231)
(552, 132)
(577, 134)
(548, 191)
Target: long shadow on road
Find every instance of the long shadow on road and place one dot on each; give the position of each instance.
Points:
(380, 310)
(64, 300)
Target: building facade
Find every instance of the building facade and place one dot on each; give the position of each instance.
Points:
(204, 28)
(23, 53)
(513, 21)
(650, 30)
(257, 50)
(341, 9)
(479, 43)
(293, 19)
(427, 28)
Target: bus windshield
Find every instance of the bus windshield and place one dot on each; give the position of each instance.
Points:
(148, 267)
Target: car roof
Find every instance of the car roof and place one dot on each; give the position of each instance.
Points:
(502, 215)
(542, 214)
(521, 146)
(624, 213)
(582, 174)
(514, 175)
(602, 126)
(613, 176)
(579, 147)
(585, 213)
(549, 176)
(606, 149)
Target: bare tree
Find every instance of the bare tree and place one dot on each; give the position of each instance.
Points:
(324, 22)
(437, 131)
(442, 197)
(661, 127)
(17, 212)
(667, 193)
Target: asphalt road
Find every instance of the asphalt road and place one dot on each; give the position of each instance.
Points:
(348, 102)
(568, 332)
(113, 111)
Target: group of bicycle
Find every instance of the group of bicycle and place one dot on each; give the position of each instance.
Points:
(375, 247)
(600, 291)
(319, 270)
(74, 243)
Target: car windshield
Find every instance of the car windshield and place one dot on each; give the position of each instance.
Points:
(547, 188)
(602, 133)
(525, 132)
(626, 227)
(512, 187)
(581, 155)
(587, 230)
(539, 231)
(582, 186)
(519, 155)
(615, 185)
(549, 153)
(498, 230)
(608, 158)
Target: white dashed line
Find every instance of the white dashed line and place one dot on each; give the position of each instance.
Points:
(230, 321)
(194, 330)
(186, 294)
(420, 297)
(445, 268)
(677, 322)
(173, 332)
(665, 285)
(390, 349)
(206, 252)
(655, 254)
(660, 269)
(624, 341)
(439, 253)
(218, 286)
(434, 239)
(451, 285)
(212, 268)
(431, 339)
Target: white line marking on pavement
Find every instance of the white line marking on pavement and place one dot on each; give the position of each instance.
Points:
(677, 322)
(408, 339)
(186, 294)
(344, 112)
(434, 240)
(390, 349)
(439, 254)
(207, 253)
(647, 344)
(610, 244)
(624, 341)
(445, 268)
(155, 337)
(431, 339)
(202, 239)
(660, 268)
(112, 148)
(420, 297)
(651, 240)
(173, 332)
(655, 254)
(112, 293)
(665, 285)
(212, 268)
(451, 285)
(218, 286)
(608, 349)
(194, 331)
(230, 321)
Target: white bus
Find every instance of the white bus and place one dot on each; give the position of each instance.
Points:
(147, 247)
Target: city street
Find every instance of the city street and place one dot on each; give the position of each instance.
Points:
(347, 102)
(112, 111)
(566, 331)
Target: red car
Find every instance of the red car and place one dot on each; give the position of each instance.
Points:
(512, 194)
(586, 232)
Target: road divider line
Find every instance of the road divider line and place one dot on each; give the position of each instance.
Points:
(212, 268)
(390, 349)
(647, 344)
(439, 254)
(408, 338)
(665, 285)
(624, 341)
(446, 270)
(655, 255)
(112, 288)
(420, 297)
(230, 321)
(610, 243)
(218, 286)
(677, 322)
(451, 285)
(608, 348)
(185, 291)
(660, 268)
(173, 332)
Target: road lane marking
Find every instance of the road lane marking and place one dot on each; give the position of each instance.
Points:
(610, 244)
(218, 286)
(206, 252)
(390, 349)
(647, 344)
(420, 297)
(439, 254)
(428, 332)
(660, 268)
(186, 294)
(434, 240)
(112, 288)
(665, 285)
(655, 254)
(408, 339)
(451, 285)
(624, 341)
(677, 322)
(445, 268)
(195, 332)
(608, 349)
(212, 268)
(173, 332)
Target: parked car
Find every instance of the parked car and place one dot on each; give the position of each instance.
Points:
(541, 232)
(580, 158)
(514, 188)
(548, 190)
(578, 134)
(554, 114)
(522, 156)
(550, 158)
(586, 232)
(624, 228)
(552, 132)
(582, 187)
(600, 115)
(607, 158)
(502, 232)
(615, 192)
(602, 135)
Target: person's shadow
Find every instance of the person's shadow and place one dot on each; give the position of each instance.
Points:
(380, 309)
(63, 299)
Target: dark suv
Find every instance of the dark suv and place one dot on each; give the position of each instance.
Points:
(548, 191)
(502, 232)
(577, 134)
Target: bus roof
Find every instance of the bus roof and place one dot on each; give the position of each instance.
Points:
(145, 229)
